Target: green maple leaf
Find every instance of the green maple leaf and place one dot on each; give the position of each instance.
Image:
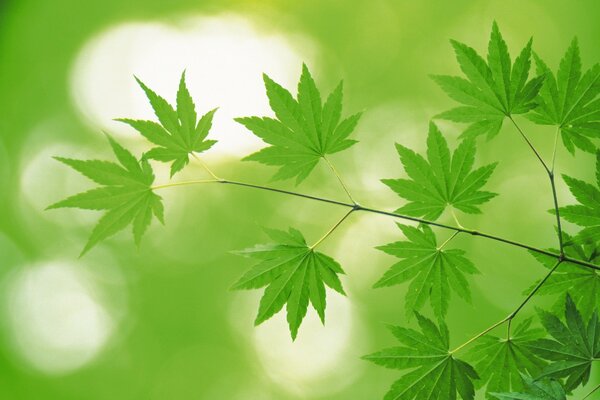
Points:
(587, 213)
(293, 274)
(432, 271)
(441, 180)
(583, 283)
(538, 389)
(570, 100)
(435, 373)
(493, 89)
(574, 348)
(501, 363)
(304, 130)
(126, 194)
(179, 133)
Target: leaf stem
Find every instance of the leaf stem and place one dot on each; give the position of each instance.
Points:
(554, 196)
(456, 218)
(532, 293)
(357, 207)
(554, 149)
(512, 315)
(531, 146)
(339, 178)
(594, 390)
(557, 212)
(184, 183)
(448, 240)
(333, 228)
(550, 173)
(203, 164)
(474, 338)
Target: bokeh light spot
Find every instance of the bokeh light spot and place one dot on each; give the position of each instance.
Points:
(57, 323)
(321, 361)
(224, 58)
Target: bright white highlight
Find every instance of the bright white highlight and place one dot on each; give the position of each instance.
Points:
(224, 57)
(321, 361)
(56, 321)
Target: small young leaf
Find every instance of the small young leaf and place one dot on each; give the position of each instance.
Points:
(434, 372)
(293, 274)
(179, 134)
(441, 180)
(305, 129)
(126, 195)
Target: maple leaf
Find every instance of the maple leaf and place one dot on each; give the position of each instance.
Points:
(179, 134)
(441, 180)
(583, 283)
(435, 373)
(502, 362)
(574, 348)
(570, 100)
(126, 194)
(304, 130)
(294, 274)
(587, 213)
(432, 271)
(538, 389)
(493, 89)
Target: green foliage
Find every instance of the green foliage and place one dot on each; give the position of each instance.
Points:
(502, 362)
(126, 194)
(293, 274)
(441, 180)
(435, 373)
(431, 270)
(493, 89)
(179, 134)
(587, 213)
(574, 348)
(305, 129)
(538, 389)
(570, 100)
(582, 283)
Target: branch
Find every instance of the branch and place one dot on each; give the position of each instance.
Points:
(357, 207)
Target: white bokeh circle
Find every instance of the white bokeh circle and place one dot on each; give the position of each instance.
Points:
(55, 317)
(224, 57)
(321, 361)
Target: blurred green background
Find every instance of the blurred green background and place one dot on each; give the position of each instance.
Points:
(160, 323)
